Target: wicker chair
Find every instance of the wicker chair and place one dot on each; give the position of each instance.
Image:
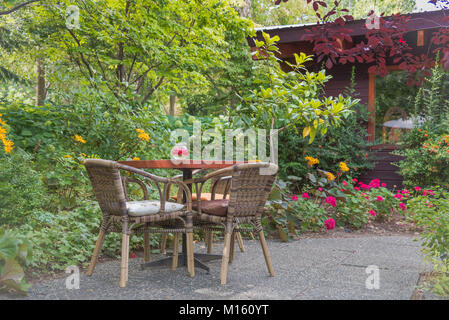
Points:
(250, 188)
(128, 217)
(220, 187)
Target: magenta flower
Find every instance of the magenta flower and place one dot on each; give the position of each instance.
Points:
(417, 189)
(428, 192)
(329, 224)
(357, 188)
(379, 198)
(320, 189)
(294, 198)
(332, 201)
(398, 196)
(384, 185)
(354, 180)
(345, 183)
(372, 212)
(305, 195)
(402, 206)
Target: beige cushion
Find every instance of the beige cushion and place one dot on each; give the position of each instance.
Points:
(147, 207)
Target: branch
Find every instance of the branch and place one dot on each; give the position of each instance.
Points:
(2, 13)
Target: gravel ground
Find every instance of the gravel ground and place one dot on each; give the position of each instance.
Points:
(314, 268)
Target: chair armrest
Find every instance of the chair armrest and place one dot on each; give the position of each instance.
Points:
(167, 182)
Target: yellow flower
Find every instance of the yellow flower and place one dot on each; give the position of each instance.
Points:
(330, 176)
(84, 155)
(343, 167)
(136, 158)
(312, 161)
(143, 135)
(67, 156)
(8, 145)
(79, 138)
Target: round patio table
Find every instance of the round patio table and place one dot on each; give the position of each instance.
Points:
(187, 167)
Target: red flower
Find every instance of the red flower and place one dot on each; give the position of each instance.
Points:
(345, 183)
(133, 255)
(294, 198)
(332, 201)
(329, 224)
(372, 212)
(305, 195)
(380, 199)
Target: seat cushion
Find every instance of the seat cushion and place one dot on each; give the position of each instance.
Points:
(147, 207)
(204, 196)
(213, 207)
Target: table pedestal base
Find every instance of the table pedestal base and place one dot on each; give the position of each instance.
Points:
(182, 261)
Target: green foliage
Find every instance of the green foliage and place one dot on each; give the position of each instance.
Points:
(21, 188)
(427, 159)
(15, 252)
(290, 99)
(431, 213)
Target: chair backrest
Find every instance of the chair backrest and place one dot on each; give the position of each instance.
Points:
(251, 185)
(106, 182)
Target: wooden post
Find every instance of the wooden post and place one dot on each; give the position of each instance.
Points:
(40, 83)
(372, 107)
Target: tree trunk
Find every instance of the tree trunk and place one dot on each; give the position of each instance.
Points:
(41, 91)
(172, 105)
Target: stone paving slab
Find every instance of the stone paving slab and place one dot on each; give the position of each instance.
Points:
(315, 268)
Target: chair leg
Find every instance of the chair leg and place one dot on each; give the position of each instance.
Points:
(209, 241)
(123, 264)
(98, 245)
(231, 248)
(240, 241)
(225, 257)
(265, 253)
(127, 256)
(190, 257)
(164, 243)
(175, 251)
(146, 247)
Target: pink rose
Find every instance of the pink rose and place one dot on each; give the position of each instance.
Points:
(294, 198)
(402, 206)
(305, 195)
(379, 198)
(357, 188)
(384, 185)
(332, 201)
(354, 180)
(345, 183)
(372, 212)
(329, 224)
(417, 189)
(320, 189)
(398, 196)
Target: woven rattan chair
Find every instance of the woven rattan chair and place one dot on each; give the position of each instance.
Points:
(251, 185)
(128, 217)
(220, 188)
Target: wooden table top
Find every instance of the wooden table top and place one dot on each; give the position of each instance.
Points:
(168, 164)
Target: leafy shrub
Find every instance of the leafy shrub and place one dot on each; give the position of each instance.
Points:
(427, 159)
(15, 252)
(21, 188)
(431, 213)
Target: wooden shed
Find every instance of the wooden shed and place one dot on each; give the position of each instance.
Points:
(421, 26)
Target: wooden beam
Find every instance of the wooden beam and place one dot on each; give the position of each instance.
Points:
(372, 107)
(420, 38)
